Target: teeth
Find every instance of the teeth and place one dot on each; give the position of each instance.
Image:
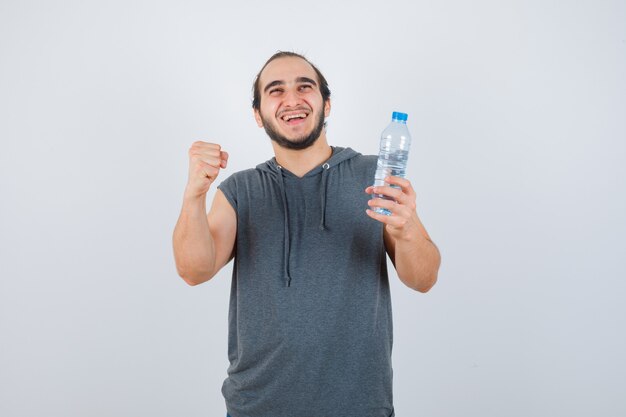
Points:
(292, 116)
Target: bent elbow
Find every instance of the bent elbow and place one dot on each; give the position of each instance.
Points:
(194, 278)
(430, 280)
(190, 281)
(426, 285)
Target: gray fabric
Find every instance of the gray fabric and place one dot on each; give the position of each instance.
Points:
(310, 324)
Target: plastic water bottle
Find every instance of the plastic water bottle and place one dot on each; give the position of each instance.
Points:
(395, 142)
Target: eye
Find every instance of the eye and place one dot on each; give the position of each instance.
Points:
(275, 91)
(305, 87)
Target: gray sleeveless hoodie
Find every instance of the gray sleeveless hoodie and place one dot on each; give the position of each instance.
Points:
(310, 325)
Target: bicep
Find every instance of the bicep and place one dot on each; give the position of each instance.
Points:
(223, 226)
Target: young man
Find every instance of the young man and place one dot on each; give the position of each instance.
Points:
(310, 325)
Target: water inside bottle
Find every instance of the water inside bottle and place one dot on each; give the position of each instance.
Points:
(389, 164)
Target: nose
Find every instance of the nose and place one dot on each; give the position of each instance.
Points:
(291, 98)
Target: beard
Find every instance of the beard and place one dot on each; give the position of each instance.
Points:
(298, 143)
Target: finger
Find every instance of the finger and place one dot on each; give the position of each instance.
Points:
(205, 145)
(224, 157)
(213, 161)
(403, 183)
(206, 155)
(206, 170)
(392, 206)
(402, 197)
(399, 181)
(377, 216)
(382, 203)
(204, 149)
(391, 221)
(387, 190)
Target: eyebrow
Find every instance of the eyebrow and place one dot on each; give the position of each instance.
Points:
(298, 80)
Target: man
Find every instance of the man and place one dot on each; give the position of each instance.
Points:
(310, 326)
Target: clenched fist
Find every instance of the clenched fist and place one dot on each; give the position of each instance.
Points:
(205, 162)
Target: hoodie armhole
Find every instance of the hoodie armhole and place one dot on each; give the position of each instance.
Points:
(228, 188)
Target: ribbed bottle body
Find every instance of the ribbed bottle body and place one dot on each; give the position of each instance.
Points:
(395, 143)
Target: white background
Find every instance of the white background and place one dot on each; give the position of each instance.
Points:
(518, 114)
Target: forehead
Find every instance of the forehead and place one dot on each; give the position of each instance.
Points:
(286, 69)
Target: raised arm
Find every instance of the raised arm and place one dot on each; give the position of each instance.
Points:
(204, 243)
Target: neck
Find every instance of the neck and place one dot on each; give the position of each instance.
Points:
(301, 161)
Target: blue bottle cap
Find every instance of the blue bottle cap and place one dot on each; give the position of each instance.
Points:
(396, 115)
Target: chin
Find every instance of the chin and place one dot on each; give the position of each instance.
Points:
(302, 141)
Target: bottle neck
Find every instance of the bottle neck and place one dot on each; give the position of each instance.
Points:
(399, 121)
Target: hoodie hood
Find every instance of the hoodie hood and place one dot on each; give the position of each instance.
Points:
(272, 167)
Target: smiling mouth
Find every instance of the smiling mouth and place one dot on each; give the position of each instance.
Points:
(294, 118)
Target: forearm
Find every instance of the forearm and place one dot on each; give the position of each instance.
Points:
(194, 249)
(417, 262)
(414, 255)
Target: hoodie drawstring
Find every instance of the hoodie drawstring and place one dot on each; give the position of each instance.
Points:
(325, 168)
(277, 171)
(281, 185)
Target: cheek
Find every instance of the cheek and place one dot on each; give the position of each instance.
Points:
(270, 108)
(267, 110)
